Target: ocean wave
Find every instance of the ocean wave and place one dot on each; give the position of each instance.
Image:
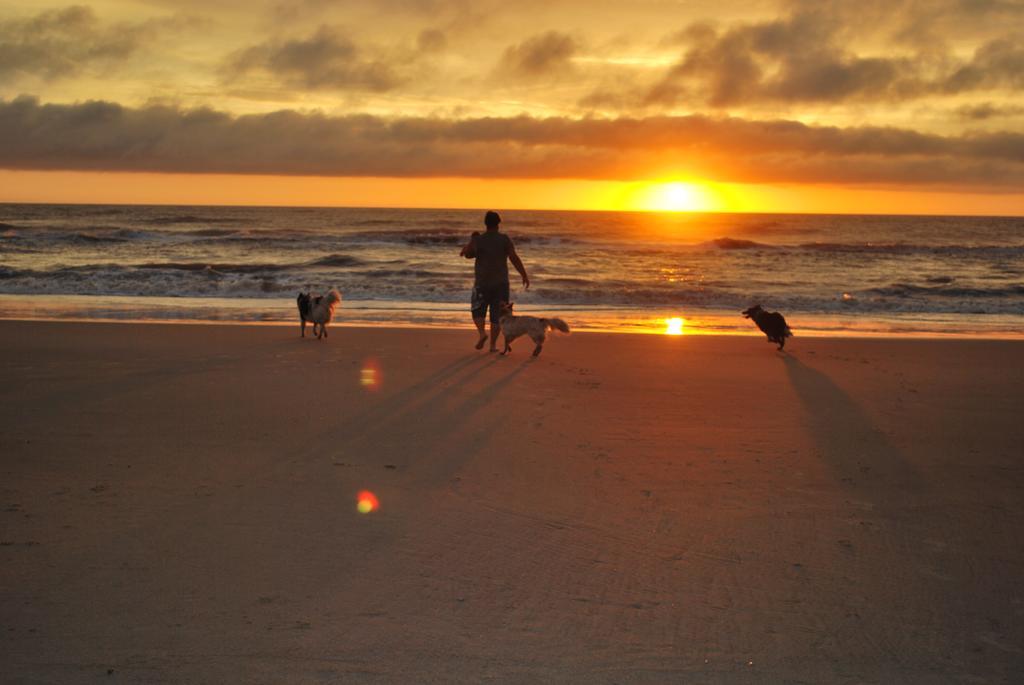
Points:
(62, 236)
(213, 232)
(191, 219)
(568, 281)
(769, 228)
(727, 243)
(217, 268)
(602, 294)
(411, 237)
(11, 248)
(763, 227)
(902, 248)
(441, 236)
(336, 260)
(424, 285)
(120, 236)
(911, 290)
(407, 273)
(389, 221)
(157, 281)
(266, 237)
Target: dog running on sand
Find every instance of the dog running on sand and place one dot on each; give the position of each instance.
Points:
(513, 326)
(317, 310)
(772, 324)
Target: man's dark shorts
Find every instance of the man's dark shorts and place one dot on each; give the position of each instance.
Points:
(489, 296)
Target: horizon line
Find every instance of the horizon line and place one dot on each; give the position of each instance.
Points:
(505, 209)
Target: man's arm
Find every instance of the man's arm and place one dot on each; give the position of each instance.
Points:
(469, 249)
(518, 264)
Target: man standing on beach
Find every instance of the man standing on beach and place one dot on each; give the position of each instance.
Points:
(492, 251)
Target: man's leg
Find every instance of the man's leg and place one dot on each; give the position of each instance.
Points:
(478, 307)
(497, 297)
(495, 330)
(481, 323)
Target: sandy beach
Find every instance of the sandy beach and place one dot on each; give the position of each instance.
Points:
(179, 505)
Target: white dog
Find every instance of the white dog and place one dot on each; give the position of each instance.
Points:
(513, 326)
(318, 311)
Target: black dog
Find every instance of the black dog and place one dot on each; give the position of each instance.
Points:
(772, 324)
(306, 302)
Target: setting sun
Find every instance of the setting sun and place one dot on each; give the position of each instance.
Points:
(674, 326)
(676, 197)
(670, 196)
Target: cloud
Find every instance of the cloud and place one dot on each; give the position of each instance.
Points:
(327, 59)
(811, 56)
(922, 24)
(988, 110)
(998, 63)
(542, 55)
(295, 10)
(106, 136)
(791, 60)
(431, 40)
(59, 43)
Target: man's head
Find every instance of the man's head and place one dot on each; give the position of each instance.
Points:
(491, 221)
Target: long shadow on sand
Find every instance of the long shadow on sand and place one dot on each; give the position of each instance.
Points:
(387, 408)
(464, 433)
(432, 407)
(852, 447)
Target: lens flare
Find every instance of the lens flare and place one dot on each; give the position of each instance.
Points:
(366, 502)
(674, 326)
(369, 375)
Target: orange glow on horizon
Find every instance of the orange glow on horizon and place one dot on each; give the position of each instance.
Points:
(87, 187)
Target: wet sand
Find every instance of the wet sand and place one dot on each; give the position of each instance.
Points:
(177, 504)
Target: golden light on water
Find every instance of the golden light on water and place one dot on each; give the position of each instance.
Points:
(367, 502)
(674, 326)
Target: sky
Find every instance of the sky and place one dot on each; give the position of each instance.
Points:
(822, 106)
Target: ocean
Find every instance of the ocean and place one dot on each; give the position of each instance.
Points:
(618, 271)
